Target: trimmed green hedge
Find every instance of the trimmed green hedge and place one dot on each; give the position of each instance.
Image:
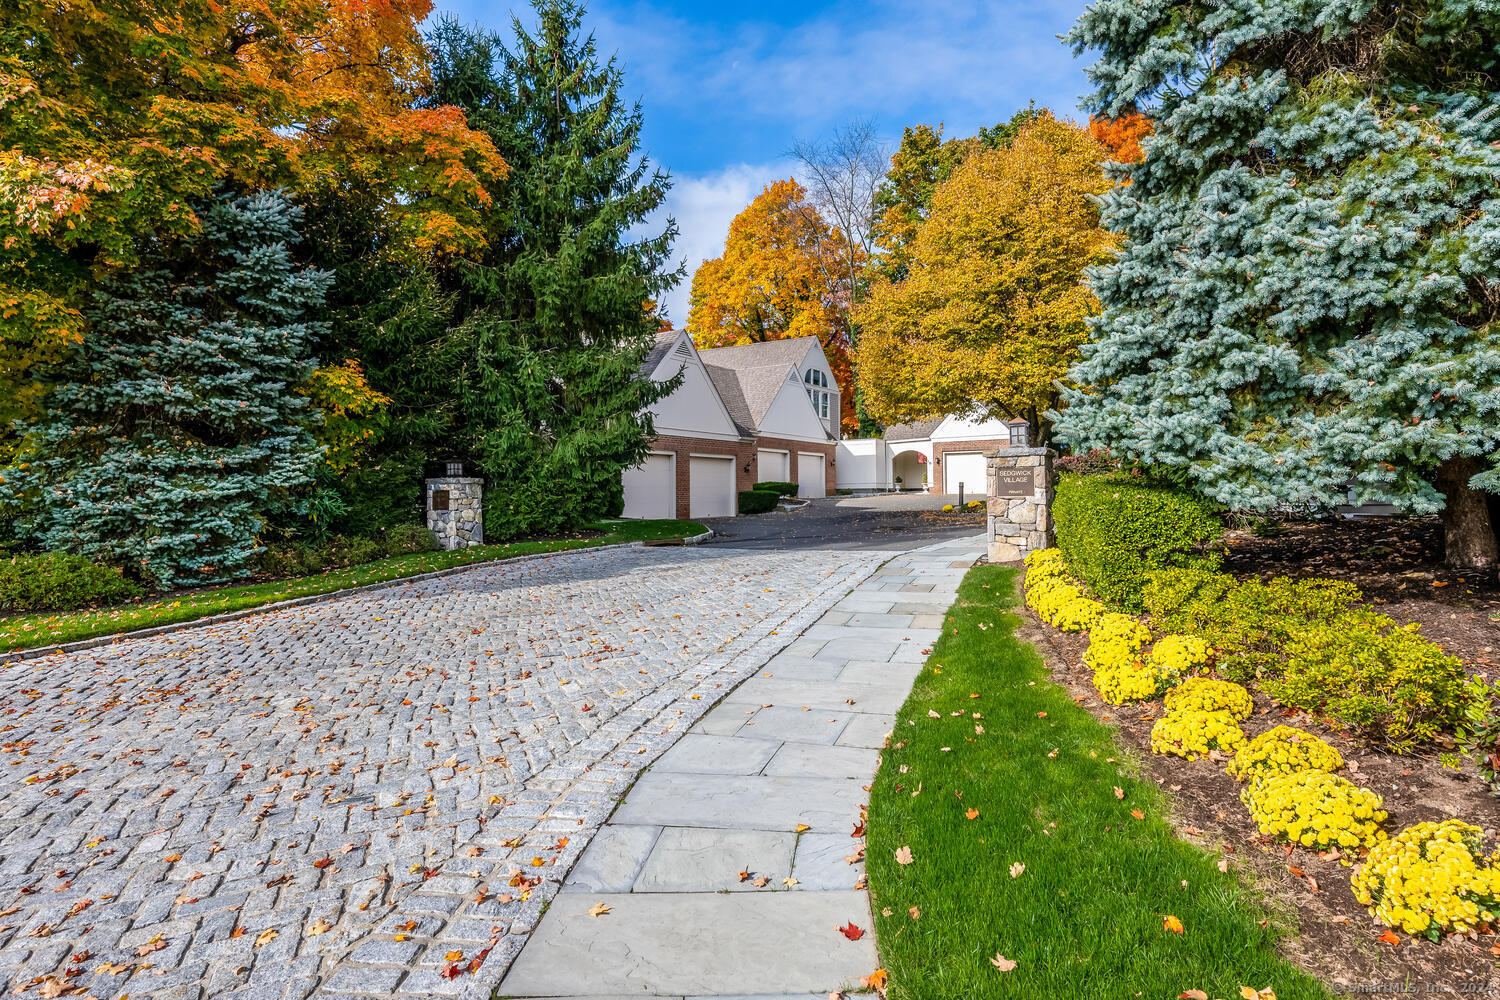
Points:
(782, 489)
(58, 581)
(1115, 530)
(758, 501)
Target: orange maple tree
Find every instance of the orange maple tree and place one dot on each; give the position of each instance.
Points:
(783, 274)
(1121, 136)
(121, 115)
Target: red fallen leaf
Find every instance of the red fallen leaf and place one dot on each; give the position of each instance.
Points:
(322, 862)
(452, 971)
(859, 829)
(852, 932)
(588, 708)
(1295, 870)
(1389, 938)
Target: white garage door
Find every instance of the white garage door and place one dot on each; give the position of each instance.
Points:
(810, 481)
(967, 467)
(651, 488)
(710, 486)
(773, 467)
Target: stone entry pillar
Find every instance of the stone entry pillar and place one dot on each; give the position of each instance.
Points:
(1020, 502)
(455, 511)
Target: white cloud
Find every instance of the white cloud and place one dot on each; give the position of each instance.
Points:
(703, 206)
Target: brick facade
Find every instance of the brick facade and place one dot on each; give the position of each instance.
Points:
(746, 473)
(988, 446)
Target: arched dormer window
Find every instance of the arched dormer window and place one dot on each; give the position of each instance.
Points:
(817, 390)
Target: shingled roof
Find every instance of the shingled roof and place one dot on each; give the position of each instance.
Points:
(917, 430)
(659, 349)
(768, 352)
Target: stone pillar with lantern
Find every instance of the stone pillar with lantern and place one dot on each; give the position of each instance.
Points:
(1019, 497)
(455, 507)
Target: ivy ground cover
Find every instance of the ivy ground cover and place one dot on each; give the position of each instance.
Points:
(1014, 850)
(26, 631)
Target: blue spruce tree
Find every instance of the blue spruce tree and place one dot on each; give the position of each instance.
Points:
(174, 426)
(1308, 292)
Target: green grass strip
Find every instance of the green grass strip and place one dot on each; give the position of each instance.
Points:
(25, 631)
(1085, 918)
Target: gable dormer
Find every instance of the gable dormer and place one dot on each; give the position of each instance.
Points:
(694, 409)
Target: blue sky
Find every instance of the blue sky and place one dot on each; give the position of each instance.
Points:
(727, 87)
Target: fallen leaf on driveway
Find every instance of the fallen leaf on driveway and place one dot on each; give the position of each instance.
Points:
(264, 937)
(1002, 963)
(903, 855)
(761, 882)
(598, 910)
(320, 926)
(155, 944)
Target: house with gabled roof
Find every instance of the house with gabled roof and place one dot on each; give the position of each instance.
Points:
(941, 455)
(741, 415)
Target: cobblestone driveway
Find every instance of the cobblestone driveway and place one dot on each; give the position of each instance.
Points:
(370, 796)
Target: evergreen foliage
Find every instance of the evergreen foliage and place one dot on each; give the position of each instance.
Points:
(1309, 286)
(557, 320)
(173, 428)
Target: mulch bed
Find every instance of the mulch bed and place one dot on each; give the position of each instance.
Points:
(1336, 938)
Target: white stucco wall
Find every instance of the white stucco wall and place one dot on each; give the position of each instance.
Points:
(864, 464)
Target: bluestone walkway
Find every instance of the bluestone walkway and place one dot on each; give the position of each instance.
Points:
(732, 863)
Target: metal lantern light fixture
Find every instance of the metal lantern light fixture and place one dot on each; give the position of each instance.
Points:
(1020, 432)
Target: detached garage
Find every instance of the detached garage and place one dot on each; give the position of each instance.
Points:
(651, 488)
(711, 486)
(967, 467)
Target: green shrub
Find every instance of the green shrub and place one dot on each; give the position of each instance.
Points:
(758, 501)
(404, 539)
(1114, 531)
(1249, 623)
(1387, 684)
(60, 581)
(782, 489)
(514, 510)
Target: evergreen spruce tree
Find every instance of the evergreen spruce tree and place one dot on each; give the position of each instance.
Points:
(174, 426)
(1309, 289)
(557, 320)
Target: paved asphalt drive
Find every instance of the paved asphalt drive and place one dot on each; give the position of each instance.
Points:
(883, 521)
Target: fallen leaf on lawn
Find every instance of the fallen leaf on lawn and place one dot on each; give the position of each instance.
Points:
(1172, 924)
(1119, 792)
(266, 936)
(598, 910)
(972, 814)
(320, 926)
(903, 855)
(1041, 715)
(1251, 993)
(886, 911)
(155, 944)
(933, 715)
(914, 913)
(1223, 864)
(1137, 814)
(1002, 963)
(1389, 938)
(1016, 869)
(1192, 995)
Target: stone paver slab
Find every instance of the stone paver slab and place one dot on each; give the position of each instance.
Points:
(822, 696)
(703, 754)
(691, 859)
(613, 859)
(788, 722)
(741, 803)
(811, 760)
(692, 944)
(865, 730)
(822, 862)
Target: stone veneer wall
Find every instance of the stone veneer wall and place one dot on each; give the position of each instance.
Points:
(1020, 524)
(462, 524)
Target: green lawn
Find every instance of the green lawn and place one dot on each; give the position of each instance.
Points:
(1085, 919)
(23, 631)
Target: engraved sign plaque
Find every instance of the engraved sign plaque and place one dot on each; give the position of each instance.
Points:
(1014, 483)
(439, 499)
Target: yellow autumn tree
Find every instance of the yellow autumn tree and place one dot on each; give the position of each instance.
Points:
(784, 274)
(993, 306)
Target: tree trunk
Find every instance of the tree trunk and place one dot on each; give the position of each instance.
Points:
(1468, 533)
